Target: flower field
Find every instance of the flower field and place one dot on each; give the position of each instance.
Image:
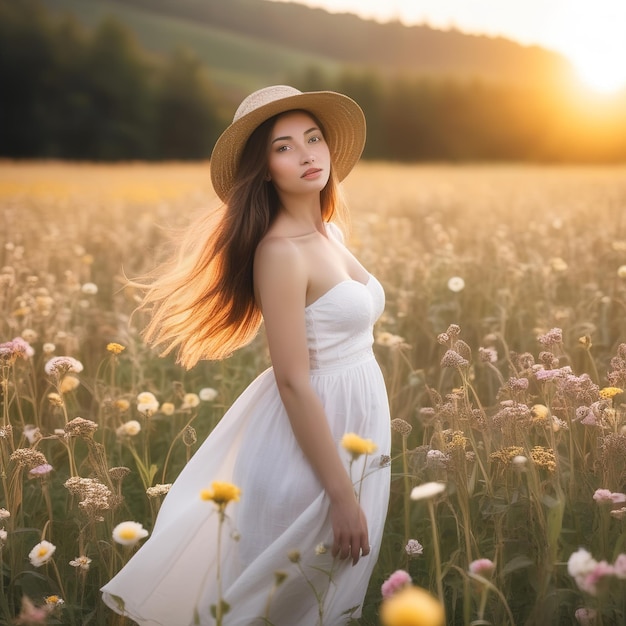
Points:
(503, 346)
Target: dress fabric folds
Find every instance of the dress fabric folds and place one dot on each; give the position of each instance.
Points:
(276, 565)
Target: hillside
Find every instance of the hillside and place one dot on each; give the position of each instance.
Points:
(247, 43)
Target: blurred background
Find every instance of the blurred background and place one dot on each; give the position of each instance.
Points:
(111, 80)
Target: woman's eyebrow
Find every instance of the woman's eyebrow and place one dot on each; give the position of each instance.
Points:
(306, 132)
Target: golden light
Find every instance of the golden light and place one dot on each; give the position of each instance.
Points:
(601, 73)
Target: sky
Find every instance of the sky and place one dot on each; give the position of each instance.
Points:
(591, 33)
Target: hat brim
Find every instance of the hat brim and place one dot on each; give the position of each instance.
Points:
(341, 117)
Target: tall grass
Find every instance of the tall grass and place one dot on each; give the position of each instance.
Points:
(505, 382)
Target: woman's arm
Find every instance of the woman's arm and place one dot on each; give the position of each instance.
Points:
(281, 279)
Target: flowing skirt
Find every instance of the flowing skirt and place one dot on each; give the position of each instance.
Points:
(269, 557)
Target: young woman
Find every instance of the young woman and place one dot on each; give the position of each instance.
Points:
(299, 546)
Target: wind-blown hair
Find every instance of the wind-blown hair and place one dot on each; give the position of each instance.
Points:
(202, 302)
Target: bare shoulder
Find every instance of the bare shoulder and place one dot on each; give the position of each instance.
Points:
(275, 251)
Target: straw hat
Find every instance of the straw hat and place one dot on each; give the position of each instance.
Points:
(341, 117)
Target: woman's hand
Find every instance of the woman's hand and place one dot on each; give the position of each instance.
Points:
(350, 535)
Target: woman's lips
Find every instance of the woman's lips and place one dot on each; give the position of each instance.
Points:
(310, 173)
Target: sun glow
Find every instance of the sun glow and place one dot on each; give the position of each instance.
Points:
(589, 34)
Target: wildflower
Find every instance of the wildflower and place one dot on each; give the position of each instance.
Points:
(412, 606)
(580, 564)
(414, 548)
(13, 350)
(4, 514)
(129, 533)
(539, 412)
(3, 537)
(585, 616)
(31, 614)
(427, 490)
(621, 271)
(456, 284)
(168, 408)
(357, 446)
(41, 553)
(48, 347)
(543, 457)
(436, 459)
(81, 562)
(453, 359)
(592, 582)
(207, 394)
(90, 289)
(60, 365)
(552, 337)
(294, 556)
(131, 428)
(69, 383)
(398, 580)
(320, 549)
(401, 426)
(482, 567)
(605, 496)
(488, 355)
(28, 457)
(55, 399)
(620, 566)
(190, 401)
(619, 513)
(118, 473)
(95, 496)
(53, 601)
(389, 340)
(454, 330)
(80, 427)
(158, 490)
(506, 455)
(122, 405)
(41, 470)
(519, 461)
(610, 392)
(221, 493)
(115, 348)
(32, 433)
(147, 403)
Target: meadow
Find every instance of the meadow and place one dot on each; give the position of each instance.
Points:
(503, 346)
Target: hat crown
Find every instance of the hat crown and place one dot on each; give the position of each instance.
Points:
(263, 97)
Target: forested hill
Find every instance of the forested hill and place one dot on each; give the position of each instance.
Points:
(159, 79)
(347, 39)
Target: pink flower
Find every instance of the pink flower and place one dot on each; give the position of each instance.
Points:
(41, 470)
(602, 496)
(482, 567)
(585, 617)
(620, 566)
(398, 580)
(591, 581)
(605, 496)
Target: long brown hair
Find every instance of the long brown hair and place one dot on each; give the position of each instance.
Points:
(202, 302)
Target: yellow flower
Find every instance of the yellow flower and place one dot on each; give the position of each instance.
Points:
(115, 348)
(412, 606)
(609, 392)
(539, 412)
(69, 383)
(357, 446)
(221, 493)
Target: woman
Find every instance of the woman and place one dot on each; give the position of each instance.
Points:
(299, 546)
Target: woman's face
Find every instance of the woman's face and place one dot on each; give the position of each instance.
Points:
(298, 157)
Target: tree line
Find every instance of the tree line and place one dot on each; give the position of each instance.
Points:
(77, 94)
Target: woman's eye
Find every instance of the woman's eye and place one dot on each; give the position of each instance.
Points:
(315, 139)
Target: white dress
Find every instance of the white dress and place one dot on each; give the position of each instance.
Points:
(171, 580)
